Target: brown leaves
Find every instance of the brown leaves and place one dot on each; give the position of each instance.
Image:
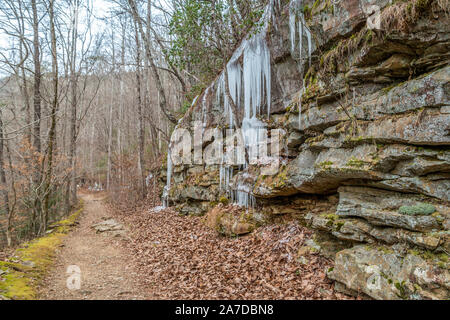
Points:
(180, 258)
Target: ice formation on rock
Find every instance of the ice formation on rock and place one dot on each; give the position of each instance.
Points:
(252, 80)
(296, 16)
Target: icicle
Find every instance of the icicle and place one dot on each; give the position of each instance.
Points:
(165, 196)
(169, 169)
(292, 27)
(300, 41)
(193, 103)
(234, 83)
(254, 77)
(300, 108)
(308, 37)
(257, 89)
(221, 175)
(257, 76)
(204, 111)
(242, 195)
(295, 12)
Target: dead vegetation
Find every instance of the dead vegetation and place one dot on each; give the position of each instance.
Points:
(403, 15)
(182, 258)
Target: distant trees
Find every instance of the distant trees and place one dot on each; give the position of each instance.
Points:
(89, 95)
(33, 101)
(205, 33)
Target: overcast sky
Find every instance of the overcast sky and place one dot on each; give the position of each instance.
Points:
(101, 9)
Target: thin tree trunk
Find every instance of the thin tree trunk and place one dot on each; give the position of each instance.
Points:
(54, 108)
(24, 86)
(37, 80)
(121, 105)
(71, 189)
(3, 187)
(139, 111)
(36, 209)
(108, 174)
(74, 105)
(156, 77)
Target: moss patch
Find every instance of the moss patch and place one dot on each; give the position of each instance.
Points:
(356, 163)
(33, 260)
(224, 200)
(420, 209)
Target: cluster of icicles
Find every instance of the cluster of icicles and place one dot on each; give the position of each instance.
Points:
(297, 23)
(254, 77)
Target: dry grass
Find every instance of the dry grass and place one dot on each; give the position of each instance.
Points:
(401, 16)
(443, 5)
(331, 59)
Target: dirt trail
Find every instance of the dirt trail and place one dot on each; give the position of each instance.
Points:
(106, 273)
(166, 256)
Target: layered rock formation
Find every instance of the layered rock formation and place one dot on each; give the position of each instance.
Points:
(363, 104)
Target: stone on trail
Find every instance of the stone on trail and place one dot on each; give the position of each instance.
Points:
(110, 227)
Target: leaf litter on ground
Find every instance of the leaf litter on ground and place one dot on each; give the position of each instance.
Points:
(178, 257)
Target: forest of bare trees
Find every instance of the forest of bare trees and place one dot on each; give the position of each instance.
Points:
(90, 91)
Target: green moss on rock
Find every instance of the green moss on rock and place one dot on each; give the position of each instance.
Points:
(224, 200)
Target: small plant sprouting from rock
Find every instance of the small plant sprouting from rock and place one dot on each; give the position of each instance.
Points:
(324, 165)
(357, 163)
(420, 209)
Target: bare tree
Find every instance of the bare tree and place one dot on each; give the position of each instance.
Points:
(37, 79)
(149, 54)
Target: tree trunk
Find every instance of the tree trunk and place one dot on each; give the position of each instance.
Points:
(140, 115)
(4, 188)
(36, 208)
(108, 174)
(23, 86)
(71, 188)
(156, 77)
(54, 108)
(37, 80)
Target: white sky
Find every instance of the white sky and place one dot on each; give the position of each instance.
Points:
(101, 9)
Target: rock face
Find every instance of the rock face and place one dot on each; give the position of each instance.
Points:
(365, 145)
(383, 273)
